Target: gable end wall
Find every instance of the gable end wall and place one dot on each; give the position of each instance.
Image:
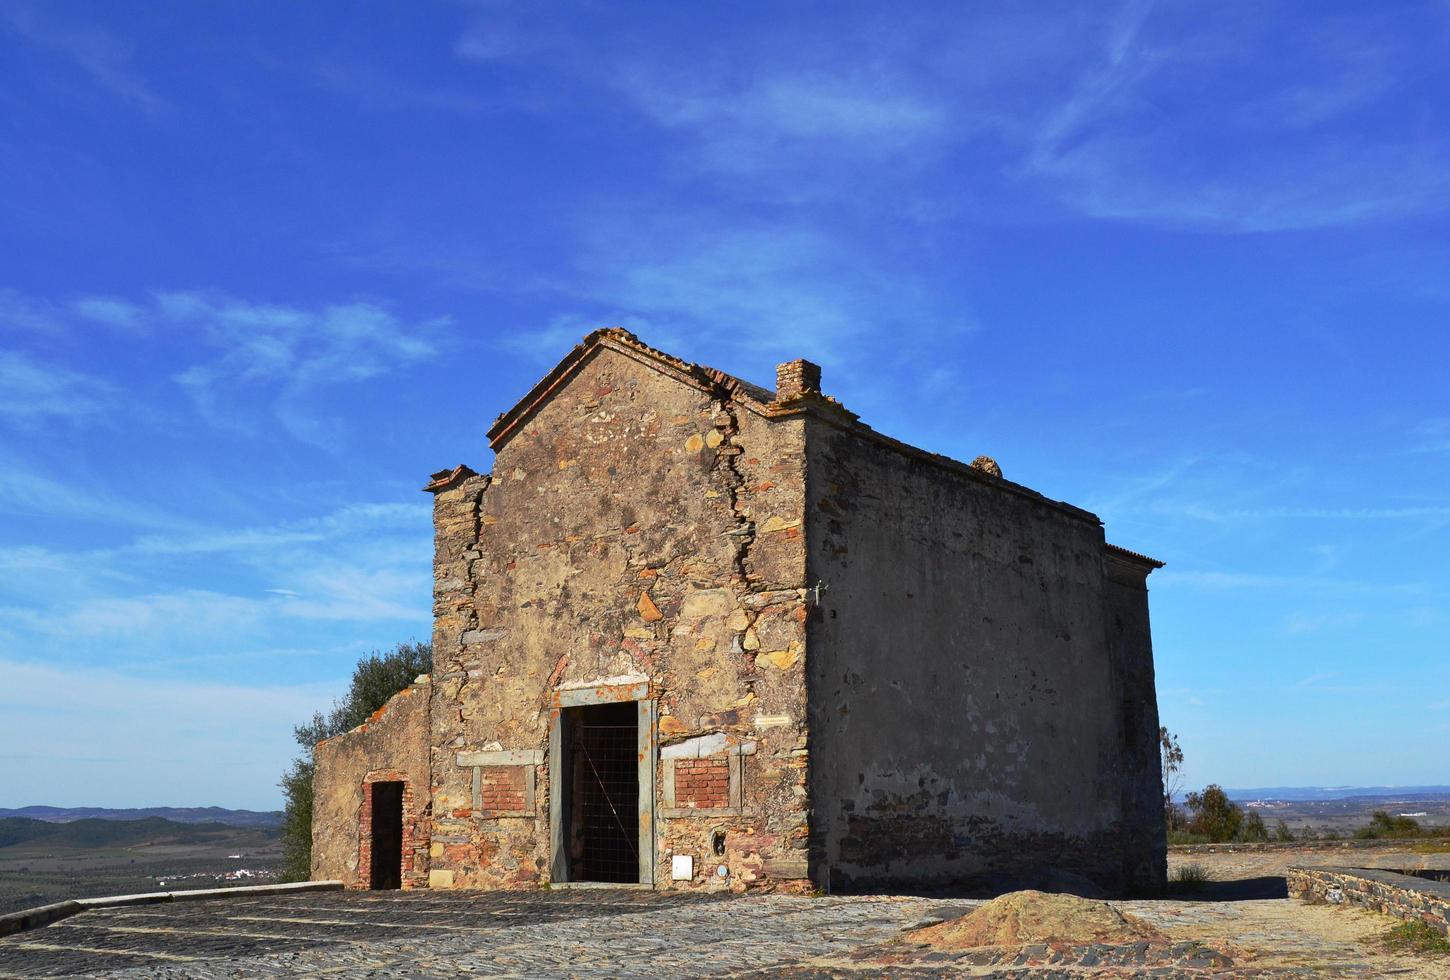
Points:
(640, 527)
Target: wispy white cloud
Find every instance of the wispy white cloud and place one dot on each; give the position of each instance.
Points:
(762, 122)
(1305, 623)
(27, 490)
(1161, 132)
(1131, 490)
(551, 341)
(783, 116)
(1138, 114)
(1432, 436)
(242, 353)
(1314, 680)
(1326, 558)
(222, 592)
(107, 60)
(186, 616)
(112, 312)
(288, 353)
(24, 314)
(762, 291)
(31, 391)
(1210, 512)
(369, 87)
(1260, 581)
(355, 519)
(121, 738)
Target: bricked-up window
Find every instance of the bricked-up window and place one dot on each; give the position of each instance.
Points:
(502, 788)
(702, 783)
(504, 782)
(704, 776)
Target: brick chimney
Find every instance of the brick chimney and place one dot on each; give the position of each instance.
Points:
(796, 378)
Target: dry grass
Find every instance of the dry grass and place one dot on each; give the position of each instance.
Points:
(1189, 878)
(1419, 938)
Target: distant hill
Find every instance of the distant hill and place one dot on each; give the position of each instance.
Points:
(191, 814)
(92, 832)
(1341, 793)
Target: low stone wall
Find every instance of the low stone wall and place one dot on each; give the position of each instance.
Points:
(1352, 844)
(44, 915)
(1404, 896)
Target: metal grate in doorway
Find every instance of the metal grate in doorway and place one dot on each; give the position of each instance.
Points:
(607, 772)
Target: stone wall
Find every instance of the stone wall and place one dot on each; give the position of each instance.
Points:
(1351, 844)
(1403, 896)
(392, 745)
(641, 525)
(967, 716)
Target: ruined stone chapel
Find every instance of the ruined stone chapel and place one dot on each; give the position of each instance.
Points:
(693, 633)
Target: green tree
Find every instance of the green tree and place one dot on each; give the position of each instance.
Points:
(1253, 829)
(1214, 815)
(375, 679)
(1382, 825)
(1282, 831)
(1171, 756)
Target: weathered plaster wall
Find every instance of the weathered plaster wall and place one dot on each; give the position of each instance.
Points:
(635, 526)
(1130, 644)
(965, 710)
(391, 745)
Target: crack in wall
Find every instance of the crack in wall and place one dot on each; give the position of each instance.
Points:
(727, 473)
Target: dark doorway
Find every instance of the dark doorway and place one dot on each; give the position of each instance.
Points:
(601, 759)
(386, 869)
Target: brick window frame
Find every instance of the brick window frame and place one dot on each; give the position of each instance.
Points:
(525, 761)
(709, 748)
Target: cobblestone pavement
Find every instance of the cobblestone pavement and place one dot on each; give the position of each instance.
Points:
(561, 933)
(617, 933)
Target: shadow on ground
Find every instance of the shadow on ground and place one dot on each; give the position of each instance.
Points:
(1235, 890)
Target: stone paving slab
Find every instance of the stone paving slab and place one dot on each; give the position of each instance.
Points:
(638, 934)
(553, 933)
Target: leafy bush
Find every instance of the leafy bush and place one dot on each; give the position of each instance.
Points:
(375, 679)
(1282, 831)
(1383, 826)
(1214, 816)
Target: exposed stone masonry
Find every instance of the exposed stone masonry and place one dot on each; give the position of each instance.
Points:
(1404, 896)
(853, 656)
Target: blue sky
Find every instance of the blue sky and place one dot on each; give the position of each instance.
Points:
(263, 267)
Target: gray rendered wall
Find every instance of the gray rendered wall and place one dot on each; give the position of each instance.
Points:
(965, 709)
(1145, 850)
